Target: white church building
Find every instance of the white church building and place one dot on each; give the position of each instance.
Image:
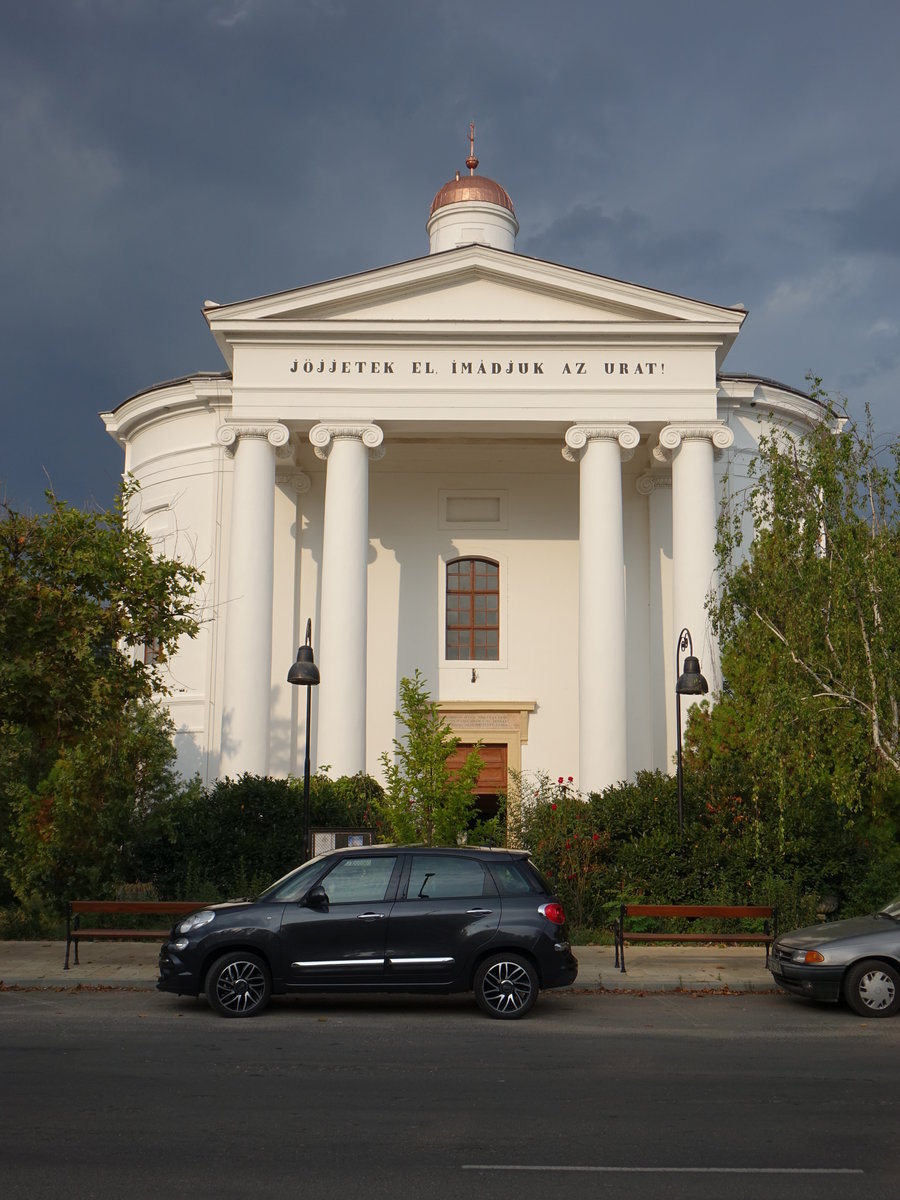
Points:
(500, 471)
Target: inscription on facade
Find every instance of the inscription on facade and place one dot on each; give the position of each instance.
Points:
(481, 368)
(481, 720)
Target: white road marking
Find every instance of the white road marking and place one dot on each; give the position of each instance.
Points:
(672, 1170)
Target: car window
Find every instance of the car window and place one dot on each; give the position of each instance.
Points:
(444, 877)
(294, 885)
(359, 880)
(517, 879)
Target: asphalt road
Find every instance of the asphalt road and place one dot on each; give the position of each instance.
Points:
(136, 1094)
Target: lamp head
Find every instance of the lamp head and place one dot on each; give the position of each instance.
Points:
(691, 682)
(304, 671)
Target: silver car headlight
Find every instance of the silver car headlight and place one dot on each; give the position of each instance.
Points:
(196, 920)
(807, 956)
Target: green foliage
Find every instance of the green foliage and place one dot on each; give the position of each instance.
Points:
(624, 846)
(568, 845)
(424, 800)
(239, 835)
(809, 621)
(344, 803)
(82, 747)
(81, 591)
(74, 833)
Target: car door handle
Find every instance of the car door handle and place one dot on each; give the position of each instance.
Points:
(370, 916)
(478, 912)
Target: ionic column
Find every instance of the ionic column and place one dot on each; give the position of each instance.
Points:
(248, 604)
(657, 487)
(291, 609)
(694, 512)
(341, 654)
(602, 738)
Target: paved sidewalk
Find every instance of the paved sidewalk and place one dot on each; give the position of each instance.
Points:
(650, 968)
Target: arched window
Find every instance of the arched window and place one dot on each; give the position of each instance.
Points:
(473, 609)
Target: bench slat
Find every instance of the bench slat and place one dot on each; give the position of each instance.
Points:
(698, 910)
(122, 934)
(696, 937)
(135, 906)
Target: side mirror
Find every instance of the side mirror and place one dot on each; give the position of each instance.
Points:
(316, 897)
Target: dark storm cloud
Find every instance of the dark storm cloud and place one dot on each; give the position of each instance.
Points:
(159, 152)
(871, 224)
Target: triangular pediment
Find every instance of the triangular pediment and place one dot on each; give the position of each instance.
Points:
(474, 284)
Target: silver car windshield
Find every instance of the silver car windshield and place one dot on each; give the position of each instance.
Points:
(892, 909)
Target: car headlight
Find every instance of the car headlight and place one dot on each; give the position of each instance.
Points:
(196, 920)
(807, 956)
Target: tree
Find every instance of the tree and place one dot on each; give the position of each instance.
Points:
(809, 620)
(83, 595)
(424, 800)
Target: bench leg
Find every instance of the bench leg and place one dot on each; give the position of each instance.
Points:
(620, 947)
(68, 933)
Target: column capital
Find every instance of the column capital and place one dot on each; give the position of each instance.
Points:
(297, 480)
(578, 436)
(273, 432)
(672, 436)
(653, 481)
(325, 434)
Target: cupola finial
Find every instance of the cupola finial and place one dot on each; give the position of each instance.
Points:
(471, 161)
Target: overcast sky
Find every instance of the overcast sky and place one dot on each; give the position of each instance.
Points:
(156, 153)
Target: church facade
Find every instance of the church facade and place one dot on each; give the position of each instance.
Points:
(500, 471)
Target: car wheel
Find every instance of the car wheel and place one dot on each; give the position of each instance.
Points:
(872, 989)
(238, 985)
(506, 986)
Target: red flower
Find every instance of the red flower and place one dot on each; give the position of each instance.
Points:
(570, 780)
(553, 806)
(560, 779)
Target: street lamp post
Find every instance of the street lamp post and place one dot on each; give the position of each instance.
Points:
(305, 673)
(690, 683)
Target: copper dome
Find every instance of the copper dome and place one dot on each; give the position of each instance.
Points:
(472, 187)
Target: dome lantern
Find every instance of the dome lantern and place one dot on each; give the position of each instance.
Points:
(472, 208)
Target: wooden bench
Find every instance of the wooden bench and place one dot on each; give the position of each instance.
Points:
(765, 912)
(75, 933)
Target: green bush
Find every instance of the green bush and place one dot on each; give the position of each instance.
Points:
(241, 834)
(624, 846)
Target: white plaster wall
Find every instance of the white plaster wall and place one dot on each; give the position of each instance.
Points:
(538, 555)
(182, 490)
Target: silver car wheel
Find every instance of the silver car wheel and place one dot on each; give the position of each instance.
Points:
(876, 990)
(506, 986)
(873, 989)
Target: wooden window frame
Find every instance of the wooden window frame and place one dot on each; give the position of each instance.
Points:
(457, 623)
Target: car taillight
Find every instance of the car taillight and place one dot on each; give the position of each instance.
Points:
(553, 912)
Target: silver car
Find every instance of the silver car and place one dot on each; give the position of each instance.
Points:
(856, 960)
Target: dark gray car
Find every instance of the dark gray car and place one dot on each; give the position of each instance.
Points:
(384, 918)
(856, 960)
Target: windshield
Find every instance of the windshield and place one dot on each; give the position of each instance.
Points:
(293, 885)
(892, 909)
